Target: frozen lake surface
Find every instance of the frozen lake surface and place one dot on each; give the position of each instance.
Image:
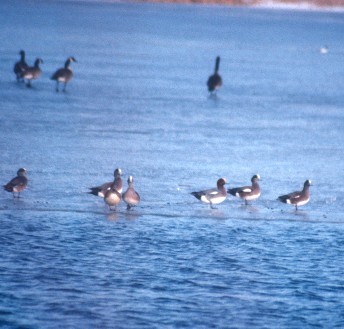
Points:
(138, 101)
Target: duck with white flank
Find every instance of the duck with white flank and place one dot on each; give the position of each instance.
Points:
(298, 198)
(247, 193)
(32, 72)
(112, 197)
(102, 189)
(64, 74)
(20, 66)
(214, 195)
(17, 184)
(215, 81)
(130, 196)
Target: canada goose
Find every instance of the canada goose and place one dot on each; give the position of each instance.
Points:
(215, 81)
(32, 72)
(20, 66)
(64, 74)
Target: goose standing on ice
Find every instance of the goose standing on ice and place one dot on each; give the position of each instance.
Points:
(20, 66)
(64, 74)
(215, 81)
(32, 72)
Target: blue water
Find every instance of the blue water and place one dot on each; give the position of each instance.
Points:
(139, 102)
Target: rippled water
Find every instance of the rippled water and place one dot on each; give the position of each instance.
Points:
(138, 101)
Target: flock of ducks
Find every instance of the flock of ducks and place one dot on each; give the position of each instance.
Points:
(27, 73)
(112, 194)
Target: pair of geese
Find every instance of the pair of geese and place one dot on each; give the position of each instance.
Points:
(25, 72)
(247, 193)
(112, 191)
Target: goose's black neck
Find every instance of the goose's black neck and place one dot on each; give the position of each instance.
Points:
(217, 64)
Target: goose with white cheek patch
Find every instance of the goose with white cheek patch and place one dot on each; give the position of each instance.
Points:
(130, 196)
(215, 81)
(20, 66)
(298, 198)
(32, 72)
(102, 189)
(18, 183)
(214, 195)
(247, 193)
(64, 74)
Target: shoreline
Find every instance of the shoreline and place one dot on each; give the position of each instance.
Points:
(306, 5)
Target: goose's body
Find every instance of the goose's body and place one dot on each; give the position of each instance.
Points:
(215, 81)
(18, 183)
(102, 189)
(32, 72)
(64, 74)
(130, 196)
(247, 193)
(298, 198)
(20, 66)
(214, 195)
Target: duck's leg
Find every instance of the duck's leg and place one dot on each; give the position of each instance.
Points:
(57, 86)
(29, 84)
(64, 88)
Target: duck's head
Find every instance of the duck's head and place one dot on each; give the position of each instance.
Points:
(221, 182)
(255, 178)
(117, 172)
(21, 172)
(130, 179)
(22, 53)
(38, 61)
(307, 183)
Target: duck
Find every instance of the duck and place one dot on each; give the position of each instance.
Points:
(32, 72)
(20, 66)
(213, 196)
(17, 184)
(102, 189)
(215, 81)
(130, 196)
(299, 198)
(64, 74)
(112, 197)
(247, 193)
